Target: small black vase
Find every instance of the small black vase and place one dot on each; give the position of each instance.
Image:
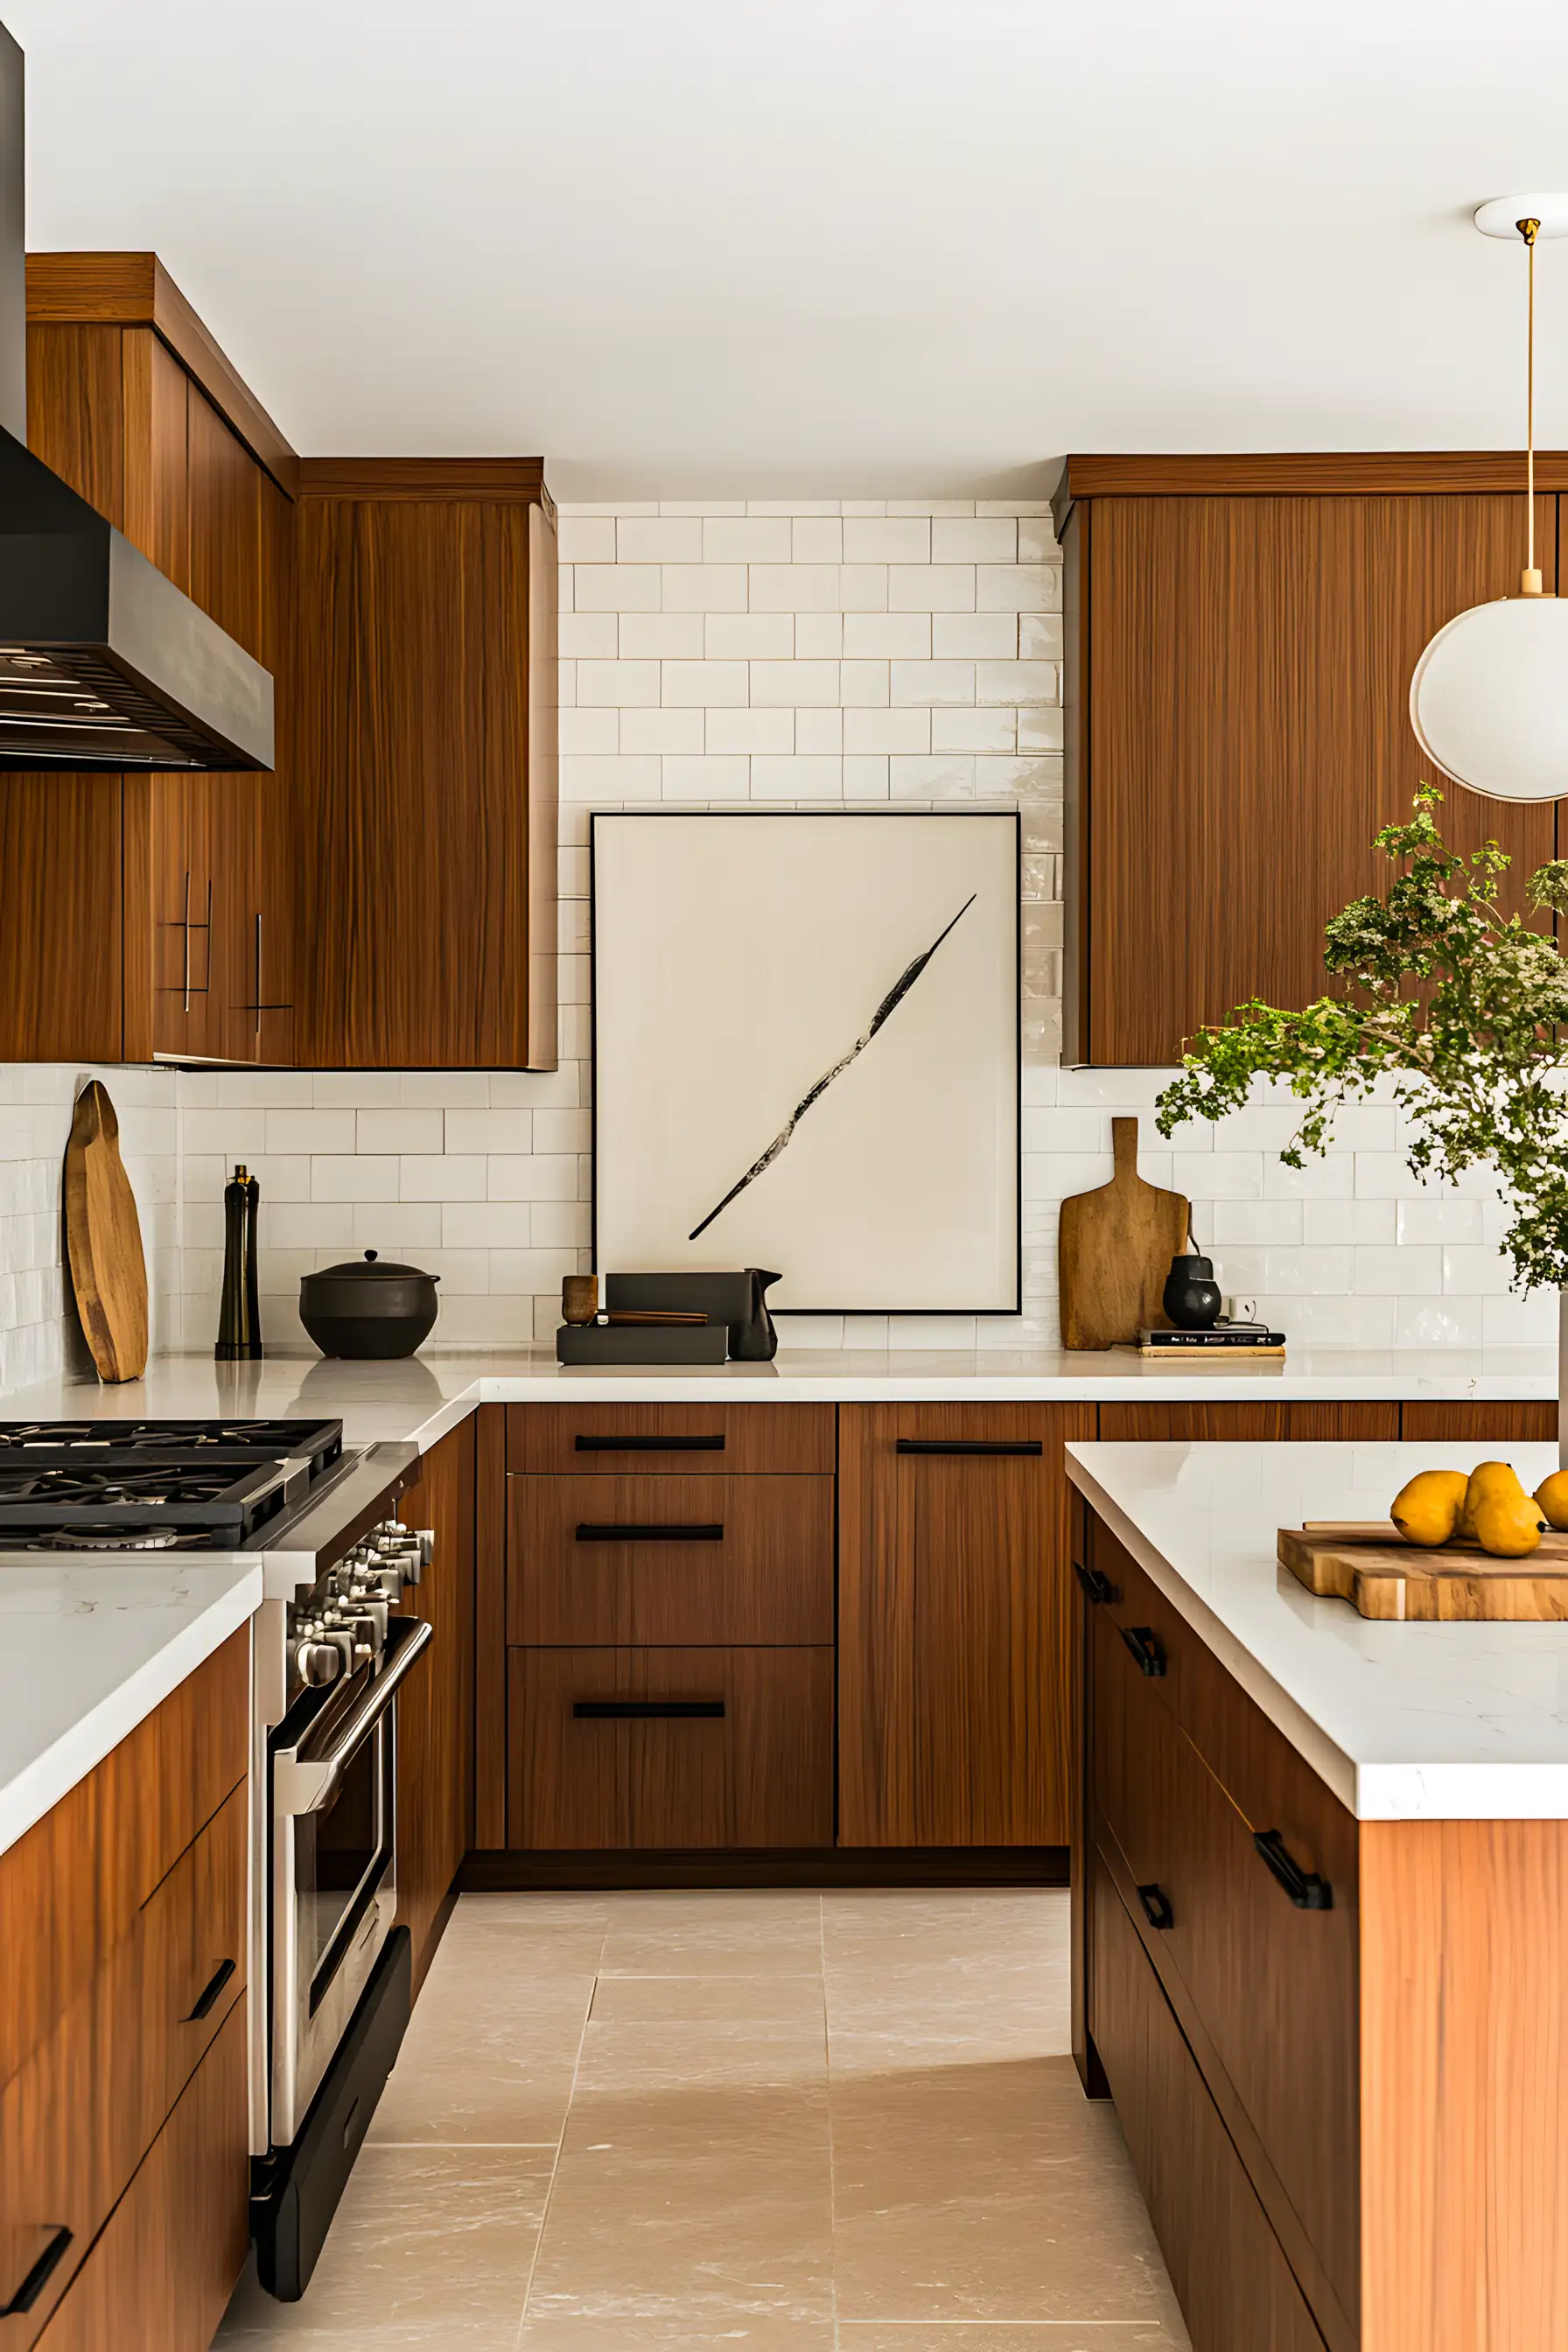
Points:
(757, 1340)
(1192, 1295)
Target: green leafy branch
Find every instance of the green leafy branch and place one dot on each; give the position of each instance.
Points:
(1464, 1007)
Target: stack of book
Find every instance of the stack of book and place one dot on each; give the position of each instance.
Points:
(1219, 1339)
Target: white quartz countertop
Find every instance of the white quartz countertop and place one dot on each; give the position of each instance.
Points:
(88, 1651)
(422, 1397)
(1404, 1722)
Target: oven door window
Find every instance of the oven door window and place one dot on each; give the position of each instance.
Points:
(341, 1854)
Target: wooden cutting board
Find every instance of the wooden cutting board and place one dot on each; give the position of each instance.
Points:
(104, 1240)
(1115, 1251)
(1381, 1576)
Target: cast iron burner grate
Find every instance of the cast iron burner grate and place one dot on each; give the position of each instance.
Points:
(129, 1443)
(226, 1500)
(99, 1539)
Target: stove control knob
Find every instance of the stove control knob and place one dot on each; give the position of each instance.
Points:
(319, 1663)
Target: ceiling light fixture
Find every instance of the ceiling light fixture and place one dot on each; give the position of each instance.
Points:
(1488, 699)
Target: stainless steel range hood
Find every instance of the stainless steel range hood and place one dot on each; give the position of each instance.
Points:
(104, 662)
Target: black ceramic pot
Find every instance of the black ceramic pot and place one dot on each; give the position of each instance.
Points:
(1191, 1293)
(368, 1307)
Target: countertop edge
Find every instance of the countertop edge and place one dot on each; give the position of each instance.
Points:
(38, 1787)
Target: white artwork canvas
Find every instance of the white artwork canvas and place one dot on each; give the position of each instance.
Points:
(805, 1055)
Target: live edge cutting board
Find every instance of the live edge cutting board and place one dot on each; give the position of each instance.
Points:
(1115, 1251)
(1381, 1576)
(104, 1240)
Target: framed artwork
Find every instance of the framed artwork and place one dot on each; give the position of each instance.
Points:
(805, 1054)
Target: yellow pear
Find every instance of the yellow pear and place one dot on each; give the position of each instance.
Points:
(1426, 1508)
(1552, 1496)
(1506, 1520)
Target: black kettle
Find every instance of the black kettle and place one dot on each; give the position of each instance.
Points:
(755, 1341)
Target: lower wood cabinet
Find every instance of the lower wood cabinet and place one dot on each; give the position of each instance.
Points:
(158, 2277)
(956, 1710)
(436, 1705)
(106, 2033)
(671, 1748)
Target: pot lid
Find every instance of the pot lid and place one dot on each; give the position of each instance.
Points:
(372, 1268)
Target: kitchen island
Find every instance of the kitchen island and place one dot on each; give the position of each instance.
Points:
(1320, 1931)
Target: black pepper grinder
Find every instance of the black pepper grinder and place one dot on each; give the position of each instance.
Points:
(240, 1311)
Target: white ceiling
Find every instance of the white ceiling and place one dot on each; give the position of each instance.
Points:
(775, 247)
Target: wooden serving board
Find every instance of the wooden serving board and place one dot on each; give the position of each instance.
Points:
(1381, 1576)
(1115, 1251)
(104, 1240)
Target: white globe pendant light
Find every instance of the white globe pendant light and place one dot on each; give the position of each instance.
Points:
(1488, 699)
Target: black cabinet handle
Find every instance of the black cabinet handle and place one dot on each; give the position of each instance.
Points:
(1097, 1585)
(585, 1444)
(1307, 1891)
(656, 1531)
(1146, 1647)
(40, 2275)
(1156, 1907)
(210, 1993)
(641, 1710)
(969, 1446)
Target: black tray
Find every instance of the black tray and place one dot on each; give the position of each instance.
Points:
(642, 1343)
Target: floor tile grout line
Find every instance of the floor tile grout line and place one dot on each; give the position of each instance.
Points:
(560, 2145)
(827, 2105)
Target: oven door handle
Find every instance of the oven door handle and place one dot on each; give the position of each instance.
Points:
(304, 1784)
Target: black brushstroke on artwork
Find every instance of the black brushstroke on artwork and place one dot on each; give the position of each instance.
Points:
(890, 1005)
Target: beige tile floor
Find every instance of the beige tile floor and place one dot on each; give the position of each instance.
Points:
(641, 2123)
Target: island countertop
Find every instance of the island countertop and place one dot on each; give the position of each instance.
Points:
(1404, 1722)
(422, 1397)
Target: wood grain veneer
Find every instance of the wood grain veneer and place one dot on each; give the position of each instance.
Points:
(750, 1437)
(1464, 2086)
(491, 1437)
(134, 289)
(436, 1706)
(1316, 473)
(414, 694)
(956, 1701)
(760, 1774)
(1520, 1423)
(1249, 667)
(427, 479)
(767, 1578)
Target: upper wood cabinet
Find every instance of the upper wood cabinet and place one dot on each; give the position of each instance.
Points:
(1240, 637)
(159, 919)
(427, 754)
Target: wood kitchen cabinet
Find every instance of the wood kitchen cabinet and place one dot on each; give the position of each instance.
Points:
(1240, 635)
(124, 2116)
(426, 694)
(150, 897)
(436, 1705)
(955, 1689)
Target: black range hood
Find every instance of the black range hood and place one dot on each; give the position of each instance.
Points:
(104, 662)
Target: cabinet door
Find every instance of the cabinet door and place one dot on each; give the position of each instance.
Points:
(436, 1707)
(1248, 676)
(956, 1698)
(414, 669)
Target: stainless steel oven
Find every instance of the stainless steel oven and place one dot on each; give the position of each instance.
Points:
(334, 1860)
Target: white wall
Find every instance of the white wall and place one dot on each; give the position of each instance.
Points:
(796, 654)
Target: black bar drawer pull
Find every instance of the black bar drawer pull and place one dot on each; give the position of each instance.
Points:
(1156, 1907)
(210, 1993)
(656, 1531)
(644, 1710)
(1097, 1585)
(1307, 1891)
(648, 1445)
(1146, 1647)
(38, 2277)
(970, 1445)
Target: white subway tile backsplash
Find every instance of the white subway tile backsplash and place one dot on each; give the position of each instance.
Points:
(662, 730)
(618, 682)
(750, 730)
(593, 634)
(882, 540)
(974, 730)
(705, 685)
(443, 1176)
(711, 776)
(704, 588)
(794, 683)
(817, 539)
(872, 730)
(991, 540)
(880, 636)
(1017, 587)
(642, 539)
(748, 636)
(756, 539)
(944, 684)
(794, 588)
(353, 1178)
(818, 636)
(659, 636)
(931, 588)
(616, 588)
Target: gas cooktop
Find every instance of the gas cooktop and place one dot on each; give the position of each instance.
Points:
(142, 1486)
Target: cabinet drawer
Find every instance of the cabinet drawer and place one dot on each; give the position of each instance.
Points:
(1235, 2289)
(80, 1876)
(77, 2119)
(669, 1559)
(745, 1437)
(670, 1748)
(175, 2246)
(1273, 1986)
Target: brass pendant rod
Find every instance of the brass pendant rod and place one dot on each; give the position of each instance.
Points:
(1531, 584)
